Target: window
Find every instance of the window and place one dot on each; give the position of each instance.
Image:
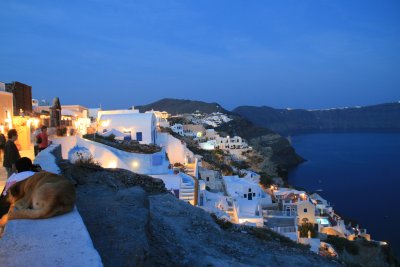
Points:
(208, 179)
(249, 189)
(305, 210)
(254, 194)
(139, 136)
(245, 195)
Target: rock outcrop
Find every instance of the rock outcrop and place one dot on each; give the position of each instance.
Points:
(134, 225)
(275, 150)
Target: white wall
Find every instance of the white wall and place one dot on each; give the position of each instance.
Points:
(110, 157)
(177, 152)
(130, 122)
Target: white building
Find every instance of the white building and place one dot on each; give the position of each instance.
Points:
(210, 134)
(287, 199)
(110, 157)
(228, 143)
(212, 179)
(182, 186)
(248, 199)
(161, 117)
(177, 128)
(141, 127)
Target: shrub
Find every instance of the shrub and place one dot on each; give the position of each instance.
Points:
(111, 137)
(87, 162)
(81, 156)
(305, 227)
(269, 235)
(340, 244)
(223, 223)
(265, 180)
(226, 170)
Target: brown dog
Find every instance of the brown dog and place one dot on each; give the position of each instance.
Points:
(41, 196)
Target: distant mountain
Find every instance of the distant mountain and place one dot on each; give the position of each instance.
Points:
(276, 150)
(288, 121)
(180, 106)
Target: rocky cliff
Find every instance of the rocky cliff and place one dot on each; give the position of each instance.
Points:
(289, 121)
(134, 222)
(274, 151)
(181, 106)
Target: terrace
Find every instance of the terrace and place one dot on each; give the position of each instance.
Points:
(131, 146)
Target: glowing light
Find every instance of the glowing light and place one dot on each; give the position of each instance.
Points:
(8, 119)
(135, 164)
(112, 164)
(105, 123)
(33, 122)
(199, 134)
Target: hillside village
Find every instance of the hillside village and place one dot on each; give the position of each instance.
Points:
(197, 163)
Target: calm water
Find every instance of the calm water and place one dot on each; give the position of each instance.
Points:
(359, 174)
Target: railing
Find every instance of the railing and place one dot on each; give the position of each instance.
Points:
(280, 213)
(285, 229)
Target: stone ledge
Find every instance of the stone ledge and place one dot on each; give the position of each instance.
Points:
(59, 241)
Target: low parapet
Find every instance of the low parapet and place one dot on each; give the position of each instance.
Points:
(58, 241)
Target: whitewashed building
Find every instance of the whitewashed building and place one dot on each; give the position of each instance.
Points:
(161, 117)
(141, 127)
(228, 143)
(212, 179)
(248, 200)
(177, 128)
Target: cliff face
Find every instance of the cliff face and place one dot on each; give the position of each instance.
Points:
(134, 222)
(288, 121)
(274, 151)
(180, 106)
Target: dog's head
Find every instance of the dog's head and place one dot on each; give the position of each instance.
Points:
(14, 193)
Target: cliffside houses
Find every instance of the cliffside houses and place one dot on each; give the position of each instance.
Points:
(141, 127)
(247, 198)
(238, 199)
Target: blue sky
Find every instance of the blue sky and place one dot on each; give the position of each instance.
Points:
(299, 54)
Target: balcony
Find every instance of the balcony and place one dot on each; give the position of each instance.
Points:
(279, 213)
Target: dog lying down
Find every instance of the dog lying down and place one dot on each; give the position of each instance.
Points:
(41, 196)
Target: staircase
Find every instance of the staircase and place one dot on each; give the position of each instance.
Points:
(186, 191)
(230, 211)
(190, 169)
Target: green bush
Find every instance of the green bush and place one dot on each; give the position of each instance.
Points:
(223, 223)
(111, 137)
(265, 180)
(269, 235)
(340, 244)
(305, 227)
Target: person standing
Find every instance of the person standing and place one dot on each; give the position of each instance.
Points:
(11, 153)
(42, 139)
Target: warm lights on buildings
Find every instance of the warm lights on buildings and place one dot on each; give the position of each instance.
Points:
(105, 123)
(112, 164)
(135, 164)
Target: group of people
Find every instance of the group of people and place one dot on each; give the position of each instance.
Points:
(9, 150)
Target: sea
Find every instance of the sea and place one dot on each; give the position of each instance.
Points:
(359, 173)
